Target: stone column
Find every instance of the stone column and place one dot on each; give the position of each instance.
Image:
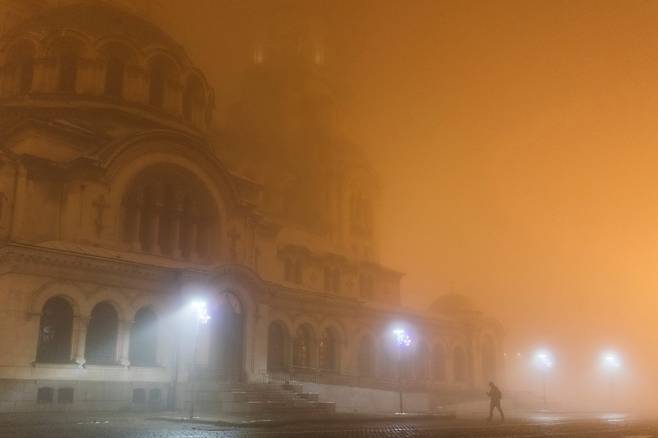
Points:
(80, 325)
(125, 328)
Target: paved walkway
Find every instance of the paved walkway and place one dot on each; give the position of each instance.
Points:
(131, 425)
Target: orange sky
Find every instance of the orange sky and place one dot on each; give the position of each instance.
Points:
(518, 145)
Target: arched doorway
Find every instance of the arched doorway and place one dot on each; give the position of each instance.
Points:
(438, 363)
(144, 339)
(303, 347)
(366, 357)
(102, 335)
(459, 365)
(488, 360)
(227, 338)
(277, 347)
(328, 354)
(55, 329)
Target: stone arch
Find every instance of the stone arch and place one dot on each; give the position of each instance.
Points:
(103, 334)
(54, 343)
(278, 346)
(122, 159)
(488, 356)
(163, 72)
(124, 163)
(304, 345)
(150, 301)
(232, 333)
(143, 349)
(113, 296)
(67, 49)
(460, 364)
(169, 211)
(439, 361)
(422, 361)
(51, 42)
(329, 349)
(338, 327)
(386, 357)
(196, 107)
(19, 66)
(117, 57)
(366, 363)
(67, 289)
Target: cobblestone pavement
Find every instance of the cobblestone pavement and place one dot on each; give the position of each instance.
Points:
(130, 426)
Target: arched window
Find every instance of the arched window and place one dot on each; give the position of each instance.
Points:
(422, 362)
(387, 362)
(303, 347)
(438, 364)
(328, 351)
(55, 329)
(366, 357)
(460, 370)
(332, 279)
(161, 73)
(226, 328)
(360, 214)
(114, 76)
(366, 286)
(117, 57)
(194, 101)
(168, 211)
(293, 270)
(277, 340)
(20, 62)
(67, 75)
(144, 339)
(289, 269)
(102, 335)
(488, 360)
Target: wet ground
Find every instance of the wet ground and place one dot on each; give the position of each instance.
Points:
(133, 426)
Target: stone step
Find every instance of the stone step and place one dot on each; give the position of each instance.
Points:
(261, 398)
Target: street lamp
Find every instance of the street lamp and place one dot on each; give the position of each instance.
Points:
(544, 361)
(402, 340)
(201, 317)
(611, 364)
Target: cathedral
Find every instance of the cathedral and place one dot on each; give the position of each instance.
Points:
(153, 258)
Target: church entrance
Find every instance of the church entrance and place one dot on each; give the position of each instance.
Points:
(227, 339)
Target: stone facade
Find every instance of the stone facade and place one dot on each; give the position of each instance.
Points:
(121, 204)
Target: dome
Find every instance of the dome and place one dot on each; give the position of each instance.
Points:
(451, 304)
(100, 20)
(101, 56)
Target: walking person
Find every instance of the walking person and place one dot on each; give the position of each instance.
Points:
(495, 395)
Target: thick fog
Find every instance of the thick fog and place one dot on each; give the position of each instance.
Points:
(517, 145)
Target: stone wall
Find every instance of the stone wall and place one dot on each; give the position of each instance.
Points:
(63, 395)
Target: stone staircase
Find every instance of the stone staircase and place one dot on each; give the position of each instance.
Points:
(260, 400)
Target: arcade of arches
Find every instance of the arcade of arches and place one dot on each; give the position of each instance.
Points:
(374, 359)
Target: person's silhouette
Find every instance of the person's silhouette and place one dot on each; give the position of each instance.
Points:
(495, 395)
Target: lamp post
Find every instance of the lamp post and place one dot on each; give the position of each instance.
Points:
(402, 341)
(201, 317)
(611, 364)
(544, 361)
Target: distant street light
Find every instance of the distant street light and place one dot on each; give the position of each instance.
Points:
(611, 364)
(402, 340)
(201, 317)
(544, 361)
